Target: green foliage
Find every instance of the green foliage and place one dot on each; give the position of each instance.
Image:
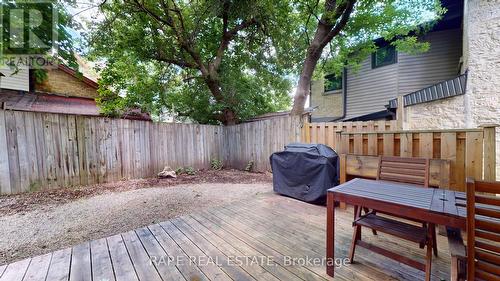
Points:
(249, 166)
(216, 164)
(400, 22)
(148, 63)
(190, 171)
(179, 171)
(185, 170)
(64, 42)
(40, 75)
(170, 58)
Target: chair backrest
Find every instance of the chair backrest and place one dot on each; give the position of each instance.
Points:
(404, 169)
(483, 230)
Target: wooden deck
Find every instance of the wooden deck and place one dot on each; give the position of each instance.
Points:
(249, 240)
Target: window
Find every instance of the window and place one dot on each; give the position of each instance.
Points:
(333, 83)
(384, 56)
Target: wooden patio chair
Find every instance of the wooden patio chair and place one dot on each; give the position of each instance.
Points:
(404, 170)
(483, 230)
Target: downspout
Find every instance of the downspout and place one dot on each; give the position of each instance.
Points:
(344, 93)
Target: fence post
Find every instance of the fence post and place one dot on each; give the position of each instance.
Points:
(338, 141)
(400, 114)
(343, 174)
(5, 184)
(489, 152)
(307, 132)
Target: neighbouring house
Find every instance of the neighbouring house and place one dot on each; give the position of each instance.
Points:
(63, 91)
(364, 94)
(454, 85)
(65, 81)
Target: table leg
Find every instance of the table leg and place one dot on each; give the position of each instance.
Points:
(330, 235)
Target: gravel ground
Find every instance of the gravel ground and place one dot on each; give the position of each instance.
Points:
(48, 226)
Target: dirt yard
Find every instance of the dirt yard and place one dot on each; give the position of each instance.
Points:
(44, 221)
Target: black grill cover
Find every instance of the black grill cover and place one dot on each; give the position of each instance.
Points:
(305, 171)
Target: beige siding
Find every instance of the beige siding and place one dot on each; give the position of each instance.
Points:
(440, 63)
(18, 81)
(369, 90)
(62, 83)
(327, 105)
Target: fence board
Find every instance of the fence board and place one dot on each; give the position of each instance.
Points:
(406, 145)
(474, 155)
(5, 186)
(256, 141)
(44, 150)
(388, 143)
(449, 152)
(426, 145)
(12, 152)
(462, 147)
(55, 150)
(490, 153)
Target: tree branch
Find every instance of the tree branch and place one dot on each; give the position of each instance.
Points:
(228, 36)
(177, 62)
(346, 14)
(167, 22)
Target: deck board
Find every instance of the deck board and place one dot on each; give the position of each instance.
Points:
(38, 268)
(59, 265)
(102, 269)
(81, 266)
(248, 240)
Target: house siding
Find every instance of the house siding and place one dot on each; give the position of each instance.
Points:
(481, 103)
(440, 63)
(60, 82)
(327, 106)
(369, 90)
(18, 81)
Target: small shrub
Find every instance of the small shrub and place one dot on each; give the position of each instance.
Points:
(180, 171)
(35, 186)
(190, 171)
(249, 166)
(216, 164)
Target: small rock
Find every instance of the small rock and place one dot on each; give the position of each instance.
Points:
(167, 173)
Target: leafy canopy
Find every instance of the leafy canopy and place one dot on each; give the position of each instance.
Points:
(203, 59)
(60, 25)
(399, 22)
(183, 58)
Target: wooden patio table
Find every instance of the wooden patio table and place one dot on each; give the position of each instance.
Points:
(435, 206)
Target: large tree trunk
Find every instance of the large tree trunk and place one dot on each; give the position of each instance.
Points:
(228, 115)
(327, 29)
(304, 85)
(313, 55)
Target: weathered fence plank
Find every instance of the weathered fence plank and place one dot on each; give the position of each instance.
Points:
(44, 150)
(5, 186)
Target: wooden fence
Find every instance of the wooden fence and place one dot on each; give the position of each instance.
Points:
(324, 132)
(471, 151)
(256, 141)
(41, 150)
